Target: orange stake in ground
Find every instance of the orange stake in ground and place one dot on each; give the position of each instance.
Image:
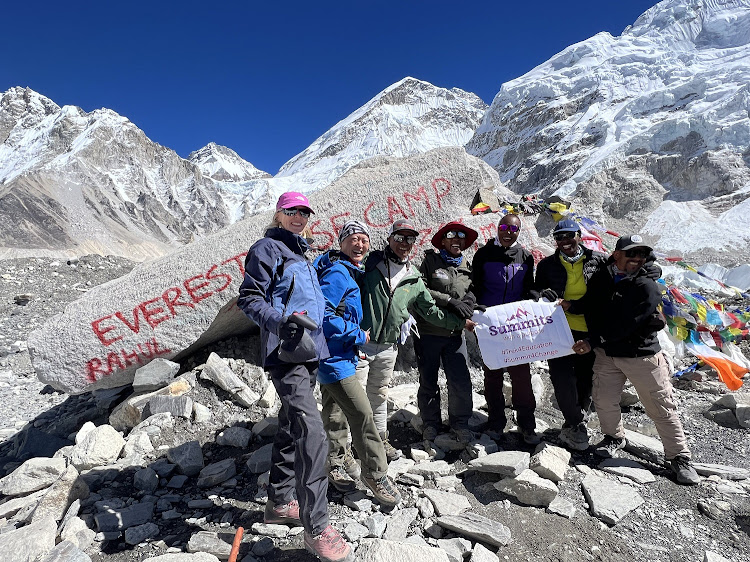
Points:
(236, 544)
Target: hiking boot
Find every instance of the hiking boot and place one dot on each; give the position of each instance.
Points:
(384, 490)
(683, 470)
(351, 466)
(494, 434)
(339, 479)
(609, 446)
(285, 514)
(391, 453)
(430, 433)
(463, 435)
(576, 438)
(530, 437)
(329, 546)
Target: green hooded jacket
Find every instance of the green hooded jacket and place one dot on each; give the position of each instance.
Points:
(383, 312)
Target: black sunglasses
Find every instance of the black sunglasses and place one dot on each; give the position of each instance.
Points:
(637, 253)
(401, 238)
(455, 234)
(564, 235)
(292, 212)
(511, 227)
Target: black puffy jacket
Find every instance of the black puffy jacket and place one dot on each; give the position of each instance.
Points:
(623, 318)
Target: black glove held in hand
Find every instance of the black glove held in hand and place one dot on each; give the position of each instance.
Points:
(460, 308)
(549, 294)
(288, 330)
(480, 307)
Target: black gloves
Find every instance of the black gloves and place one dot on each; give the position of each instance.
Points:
(288, 330)
(460, 308)
(480, 307)
(548, 294)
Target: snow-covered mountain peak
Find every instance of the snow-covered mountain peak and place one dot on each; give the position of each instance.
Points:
(408, 117)
(23, 107)
(690, 24)
(224, 164)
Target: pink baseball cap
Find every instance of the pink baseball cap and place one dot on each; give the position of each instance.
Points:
(292, 199)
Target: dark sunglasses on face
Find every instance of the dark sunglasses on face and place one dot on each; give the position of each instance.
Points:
(292, 212)
(563, 235)
(637, 253)
(510, 227)
(401, 238)
(455, 234)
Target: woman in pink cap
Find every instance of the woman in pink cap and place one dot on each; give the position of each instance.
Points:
(279, 287)
(447, 275)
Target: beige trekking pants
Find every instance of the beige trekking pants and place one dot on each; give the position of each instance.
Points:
(650, 376)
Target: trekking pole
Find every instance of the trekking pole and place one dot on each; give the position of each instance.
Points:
(236, 544)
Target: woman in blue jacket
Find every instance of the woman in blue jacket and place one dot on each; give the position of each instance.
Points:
(280, 282)
(344, 398)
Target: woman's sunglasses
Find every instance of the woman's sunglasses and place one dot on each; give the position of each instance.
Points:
(292, 212)
(454, 234)
(510, 227)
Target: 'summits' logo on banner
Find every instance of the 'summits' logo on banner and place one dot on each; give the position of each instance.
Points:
(520, 321)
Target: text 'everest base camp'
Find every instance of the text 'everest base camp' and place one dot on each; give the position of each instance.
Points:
(606, 188)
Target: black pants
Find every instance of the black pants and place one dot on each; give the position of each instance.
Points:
(451, 350)
(524, 402)
(571, 378)
(299, 447)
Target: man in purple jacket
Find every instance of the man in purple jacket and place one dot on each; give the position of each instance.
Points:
(503, 272)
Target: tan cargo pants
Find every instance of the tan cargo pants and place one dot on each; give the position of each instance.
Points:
(650, 376)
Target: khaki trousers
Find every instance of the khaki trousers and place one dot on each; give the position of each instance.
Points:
(374, 372)
(650, 376)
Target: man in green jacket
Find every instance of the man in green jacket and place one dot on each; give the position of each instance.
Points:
(390, 289)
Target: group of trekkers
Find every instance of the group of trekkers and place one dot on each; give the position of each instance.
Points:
(337, 321)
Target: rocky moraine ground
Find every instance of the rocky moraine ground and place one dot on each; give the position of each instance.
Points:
(179, 471)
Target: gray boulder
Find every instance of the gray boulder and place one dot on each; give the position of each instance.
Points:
(29, 543)
(188, 457)
(101, 446)
(185, 300)
(66, 551)
(609, 501)
(155, 375)
(32, 475)
(379, 550)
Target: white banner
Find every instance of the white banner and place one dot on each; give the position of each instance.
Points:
(522, 332)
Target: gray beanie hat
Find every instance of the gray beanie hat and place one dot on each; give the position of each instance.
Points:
(353, 227)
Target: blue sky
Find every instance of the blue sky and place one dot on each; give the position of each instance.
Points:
(266, 79)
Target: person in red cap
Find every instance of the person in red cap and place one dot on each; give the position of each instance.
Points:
(447, 275)
(279, 284)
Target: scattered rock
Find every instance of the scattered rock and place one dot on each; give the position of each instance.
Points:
(477, 527)
(609, 501)
(398, 525)
(643, 446)
(154, 375)
(121, 519)
(550, 462)
(34, 474)
(139, 533)
(563, 507)
(29, 543)
(234, 436)
(66, 551)
(505, 463)
(216, 473)
(529, 488)
(178, 406)
(218, 372)
(447, 503)
(629, 469)
(379, 550)
(101, 446)
(260, 459)
(188, 457)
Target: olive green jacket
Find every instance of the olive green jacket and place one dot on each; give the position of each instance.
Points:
(445, 282)
(383, 312)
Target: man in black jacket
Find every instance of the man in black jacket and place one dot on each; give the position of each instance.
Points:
(565, 274)
(622, 313)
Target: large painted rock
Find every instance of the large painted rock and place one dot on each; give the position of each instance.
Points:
(170, 306)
